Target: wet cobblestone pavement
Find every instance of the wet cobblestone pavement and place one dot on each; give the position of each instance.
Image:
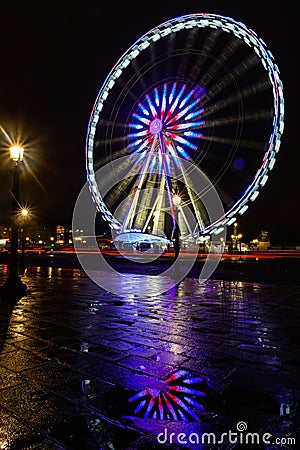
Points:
(81, 368)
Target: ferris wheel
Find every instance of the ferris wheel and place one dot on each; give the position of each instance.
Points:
(201, 89)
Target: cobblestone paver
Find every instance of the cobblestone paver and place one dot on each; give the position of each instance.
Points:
(80, 367)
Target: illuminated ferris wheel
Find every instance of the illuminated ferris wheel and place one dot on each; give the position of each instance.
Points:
(201, 89)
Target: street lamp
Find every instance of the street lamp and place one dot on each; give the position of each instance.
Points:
(13, 286)
(24, 212)
(176, 201)
(16, 154)
(176, 234)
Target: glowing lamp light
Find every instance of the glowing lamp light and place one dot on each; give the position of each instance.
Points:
(24, 212)
(176, 200)
(16, 153)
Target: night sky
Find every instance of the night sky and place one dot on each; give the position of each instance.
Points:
(54, 59)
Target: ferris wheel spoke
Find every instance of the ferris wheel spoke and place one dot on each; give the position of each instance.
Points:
(112, 123)
(240, 70)
(244, 143)
(204, 52)
(252, 116)
(235, 99)
(214, 74)
(117, 139)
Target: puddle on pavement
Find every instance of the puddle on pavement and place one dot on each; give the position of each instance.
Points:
(181, 397)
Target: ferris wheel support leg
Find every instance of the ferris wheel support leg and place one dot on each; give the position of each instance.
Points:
(156, 209)
(159, 205)
(163, 154)
(130, 214)
(187, 184)
(182, 214)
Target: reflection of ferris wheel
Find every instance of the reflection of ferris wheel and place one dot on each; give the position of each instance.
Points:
(201, 88)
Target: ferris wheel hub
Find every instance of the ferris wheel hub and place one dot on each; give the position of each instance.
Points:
(156, 126)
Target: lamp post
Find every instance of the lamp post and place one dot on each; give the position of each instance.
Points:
(24, 216)
(176, 234)
(13, 286)
(236, 239)
(239, 242)
(234, 236)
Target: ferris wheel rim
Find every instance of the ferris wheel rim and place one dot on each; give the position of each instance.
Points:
(201, 20)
